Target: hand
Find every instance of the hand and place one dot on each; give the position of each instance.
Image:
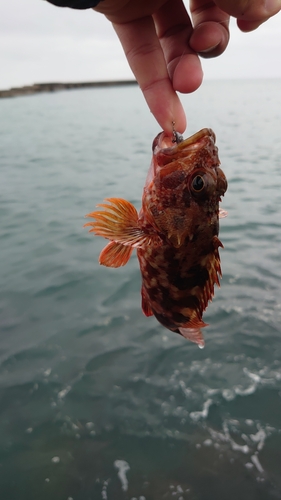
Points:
(162, 45)
(250, 14)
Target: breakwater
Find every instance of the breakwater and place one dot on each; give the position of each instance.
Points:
(56, 87)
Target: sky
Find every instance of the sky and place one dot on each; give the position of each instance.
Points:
(43, 43)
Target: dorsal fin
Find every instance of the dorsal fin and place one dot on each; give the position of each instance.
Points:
(214, 270)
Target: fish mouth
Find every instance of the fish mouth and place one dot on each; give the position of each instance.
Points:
(197, 140)
(169, 145)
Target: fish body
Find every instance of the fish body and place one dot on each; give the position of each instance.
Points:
(175, 233)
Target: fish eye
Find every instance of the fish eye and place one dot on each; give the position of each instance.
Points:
(198, 183)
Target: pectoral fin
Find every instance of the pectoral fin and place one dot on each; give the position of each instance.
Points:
(222, 213)
(119, 222)
(115, 255)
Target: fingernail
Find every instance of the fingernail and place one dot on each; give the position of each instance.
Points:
(210, 49)
(272, 6)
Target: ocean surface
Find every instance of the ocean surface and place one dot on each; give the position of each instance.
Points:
(98, 402)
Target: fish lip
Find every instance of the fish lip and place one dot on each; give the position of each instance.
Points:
(167, 146)
(196, 140)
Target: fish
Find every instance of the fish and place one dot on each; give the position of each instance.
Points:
(175, 233)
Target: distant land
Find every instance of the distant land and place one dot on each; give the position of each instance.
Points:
(38, 88)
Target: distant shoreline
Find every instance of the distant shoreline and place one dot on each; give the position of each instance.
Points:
(38, 88)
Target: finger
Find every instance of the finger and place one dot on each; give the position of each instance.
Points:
(146, 59)
(211, 34)
(250, 10)
(250, 14)
(174, 30)
(209, 39)
(247, 26)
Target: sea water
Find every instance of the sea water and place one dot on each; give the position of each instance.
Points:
(98, 401)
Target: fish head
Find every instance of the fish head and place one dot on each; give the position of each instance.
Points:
(184, 185)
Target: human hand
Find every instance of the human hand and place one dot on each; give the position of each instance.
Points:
(162, 45)
(250, 14)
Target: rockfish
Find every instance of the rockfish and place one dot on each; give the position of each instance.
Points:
(175, 233)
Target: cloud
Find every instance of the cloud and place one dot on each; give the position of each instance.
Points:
(41, 43)
(40, 18)
(249, 55)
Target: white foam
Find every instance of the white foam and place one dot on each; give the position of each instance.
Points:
(103, 491)
(244, 448)
(259, 438)
(238, 447)
(196, 415)
(186, 390)
(252, 388)
(228, 394)
(257, 463)
(226, 438)
(208, 442)
(122, 467)
(246, 392)
(249, 421)
(254, 376)
(248, 465)
(64, 392)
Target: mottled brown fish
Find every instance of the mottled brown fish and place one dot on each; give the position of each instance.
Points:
(175, 233)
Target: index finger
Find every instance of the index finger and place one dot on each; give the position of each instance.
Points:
(145, 56)
(174, 30)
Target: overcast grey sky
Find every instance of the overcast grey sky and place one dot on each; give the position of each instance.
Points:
(42, 43)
